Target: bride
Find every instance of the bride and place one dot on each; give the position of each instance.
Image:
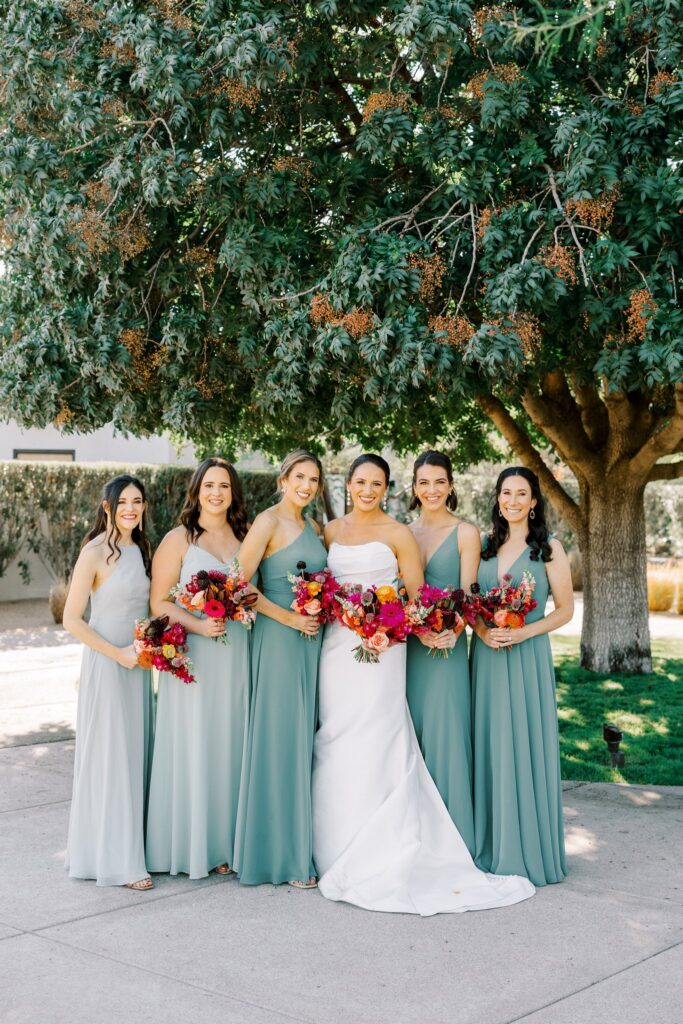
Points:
(382, 837)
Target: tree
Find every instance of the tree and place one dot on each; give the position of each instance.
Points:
(388, 221)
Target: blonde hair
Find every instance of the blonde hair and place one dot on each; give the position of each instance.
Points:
(293, 459)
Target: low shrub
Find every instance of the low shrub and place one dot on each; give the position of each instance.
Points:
(661, 588)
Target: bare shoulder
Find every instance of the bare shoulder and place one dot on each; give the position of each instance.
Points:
(400, 533)
(331, 531)
(556, 547)
(266, 520)
(175, 540)
(468, 533)
(92, 553)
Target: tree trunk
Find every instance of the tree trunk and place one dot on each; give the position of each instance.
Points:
(615, 635)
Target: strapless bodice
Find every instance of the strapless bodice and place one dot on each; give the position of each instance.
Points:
(371, 564)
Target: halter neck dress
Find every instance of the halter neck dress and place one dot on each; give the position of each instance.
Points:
(114, 730)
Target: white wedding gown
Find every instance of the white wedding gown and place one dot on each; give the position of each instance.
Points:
(382, 837)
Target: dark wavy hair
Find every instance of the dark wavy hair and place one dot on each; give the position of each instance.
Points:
(375, 460)
(538, 536)
(236, 514)
(433, 458)
(111, 493)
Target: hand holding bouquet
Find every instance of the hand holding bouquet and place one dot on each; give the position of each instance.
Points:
(219, 595)
(505, 606)
(439, 610)
(164, 647)
(314, 594)
(376, 614)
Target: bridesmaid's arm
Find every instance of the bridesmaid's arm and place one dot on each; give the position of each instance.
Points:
(560, 579)
(82, 582)
(409, 561)
(252, 550)
(166, 567)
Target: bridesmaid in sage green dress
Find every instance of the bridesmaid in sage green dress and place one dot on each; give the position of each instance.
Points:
(274, 836)
(438, 689)
(115, 708)
(517, 783)
(201, 726)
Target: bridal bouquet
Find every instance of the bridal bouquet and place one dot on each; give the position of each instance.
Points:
(377, 615)
(437, 609)
(314, 594)
(219, 595)
(164, 647)
(505, 606)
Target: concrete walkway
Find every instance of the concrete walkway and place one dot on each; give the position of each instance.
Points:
(606, 945)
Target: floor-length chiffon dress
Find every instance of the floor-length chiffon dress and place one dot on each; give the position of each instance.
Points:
(383, 839)
(114, 731)
(438, 692)
(274, 841)
(517, 782)
(198, 750)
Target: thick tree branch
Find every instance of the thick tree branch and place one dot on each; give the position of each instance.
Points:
(556, 414)
(340, 92)
(664, 442)
(666, 471)
(593, 412)
(519, 440)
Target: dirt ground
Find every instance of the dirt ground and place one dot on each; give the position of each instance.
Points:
(31, 614)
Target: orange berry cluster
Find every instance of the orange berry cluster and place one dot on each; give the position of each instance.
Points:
(169, 9)
(63, 416)
(239, 94)
(458, 330)
(641, 310)
(147, 355)
(81, 12)
(112, 106)
(357, 323)
(484, 219)
(6, 237)
(385, 100)
(201, 259)
(562, 260)
(483, 16)
(123, 54)
(507, 73)
(597, 213)
(634, 107)
(662, 80)
(294, 165)
(431, 270)
(527, 329)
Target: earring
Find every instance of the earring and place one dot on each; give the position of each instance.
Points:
(385, 502)
(499, 512)
(347, 500)
(532, 514)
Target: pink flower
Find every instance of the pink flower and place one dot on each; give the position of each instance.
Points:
(378, 643)
(313, 607)
(214, 609)
(392, 614)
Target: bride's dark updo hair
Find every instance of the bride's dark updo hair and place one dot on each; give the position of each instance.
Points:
(537, 538)
(432, 458)
(375, 460)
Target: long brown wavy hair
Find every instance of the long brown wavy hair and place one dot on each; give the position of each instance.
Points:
(236, 514)
(111, 493)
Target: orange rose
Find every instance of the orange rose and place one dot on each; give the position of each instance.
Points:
(378, 642)
(438, 621)
(506, 619)
(313, 607)
(386, 594)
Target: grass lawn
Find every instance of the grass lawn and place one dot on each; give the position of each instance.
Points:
(649, 710)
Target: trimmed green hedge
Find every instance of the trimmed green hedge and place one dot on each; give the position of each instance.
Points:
(51, 505)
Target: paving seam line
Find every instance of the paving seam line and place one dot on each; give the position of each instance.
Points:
(179, 981)
(585, 886)
(586, 988)
(33, 807)
(38, 743)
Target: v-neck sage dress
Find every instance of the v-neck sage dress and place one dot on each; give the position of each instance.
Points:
(438, 691)
(197, 764)
(114, 730)
(274, 832)
(517, 783)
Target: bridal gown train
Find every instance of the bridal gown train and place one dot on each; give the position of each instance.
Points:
(382, 837)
